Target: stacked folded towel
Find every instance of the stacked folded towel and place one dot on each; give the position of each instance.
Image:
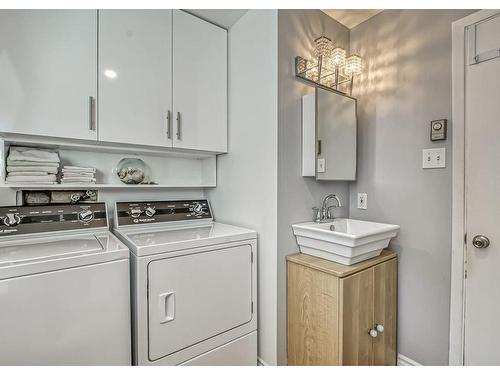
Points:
(78, 175)
(32, 166)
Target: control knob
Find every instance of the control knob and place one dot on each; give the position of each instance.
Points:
(150, 211)
(11, 220)
(135, 212)
(198, 209)
(85, 216)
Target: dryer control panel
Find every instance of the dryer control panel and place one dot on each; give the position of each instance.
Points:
(52, 218)
(129, 213)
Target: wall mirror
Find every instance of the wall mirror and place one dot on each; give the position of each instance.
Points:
(329, 135)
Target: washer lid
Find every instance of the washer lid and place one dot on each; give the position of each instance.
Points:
(49, 248)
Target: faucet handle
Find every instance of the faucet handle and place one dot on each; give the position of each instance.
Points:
(316, 214)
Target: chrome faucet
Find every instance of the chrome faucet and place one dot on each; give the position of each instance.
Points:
(325, 214)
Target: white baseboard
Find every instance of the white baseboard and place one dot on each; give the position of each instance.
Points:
(261, 362)
(405, 361)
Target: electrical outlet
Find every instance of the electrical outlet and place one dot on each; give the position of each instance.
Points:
(434, 158)
(362, 201)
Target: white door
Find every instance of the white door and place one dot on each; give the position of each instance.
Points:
(482, 154)
(76, 316)
(135, 76)
(199, 84)
(48, 72)
(192, 298)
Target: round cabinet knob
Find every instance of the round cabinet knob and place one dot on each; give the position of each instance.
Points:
(135, 212)
(150, 211)
(373, 333)
(85, 216)
(480, 241)
(380, 328)
(11, 220)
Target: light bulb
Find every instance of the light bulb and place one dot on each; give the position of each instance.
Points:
(323, 47)
(353, 65)
(338, 56)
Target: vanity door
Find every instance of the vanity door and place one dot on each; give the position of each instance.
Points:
(48, 73)
(135, 77)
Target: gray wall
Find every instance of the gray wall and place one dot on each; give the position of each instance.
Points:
(246, 192)
(297, 30)
(406, 84)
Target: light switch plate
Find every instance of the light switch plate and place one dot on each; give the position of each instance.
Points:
(362, 201)
(321, 165)
(434, 158)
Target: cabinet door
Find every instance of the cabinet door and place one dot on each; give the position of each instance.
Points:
(357, 318)
(385, 312)
(312, 317)
(48, 72)
(135, 76)
(199, 84)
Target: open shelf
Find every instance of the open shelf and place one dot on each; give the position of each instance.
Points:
(169, 170)
(96, 186)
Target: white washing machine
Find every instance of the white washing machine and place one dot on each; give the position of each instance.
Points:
(193, 285)
(64, 287)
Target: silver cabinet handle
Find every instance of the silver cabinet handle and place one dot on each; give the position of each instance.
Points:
(91, 113)
(178, 134)
(169, 135)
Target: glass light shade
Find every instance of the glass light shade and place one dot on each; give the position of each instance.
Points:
(323, 47)
(353, 65)
(338, 56)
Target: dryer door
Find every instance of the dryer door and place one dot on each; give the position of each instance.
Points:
(194, 297)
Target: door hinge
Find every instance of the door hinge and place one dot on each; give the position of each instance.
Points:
(251, 256)
(251, 307)
(465, 274)
(465, 238)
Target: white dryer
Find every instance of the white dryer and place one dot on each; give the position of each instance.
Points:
(64, 287)
(193, 285)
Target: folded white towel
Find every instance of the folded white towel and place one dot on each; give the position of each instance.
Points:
(32, 154)
(32, 169)
(78, 182)
(72, 168)
(27, 174)
(78, 179)
(69, 174)
(20, 163)
(47, 178)
(32, 182)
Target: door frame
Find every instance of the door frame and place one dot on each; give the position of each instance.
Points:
(457, 297)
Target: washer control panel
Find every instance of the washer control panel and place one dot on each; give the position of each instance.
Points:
(163, 211)
(52, 218)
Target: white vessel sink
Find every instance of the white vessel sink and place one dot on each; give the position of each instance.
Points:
(344, 241)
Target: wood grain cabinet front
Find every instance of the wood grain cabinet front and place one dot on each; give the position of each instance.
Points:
(342, 315)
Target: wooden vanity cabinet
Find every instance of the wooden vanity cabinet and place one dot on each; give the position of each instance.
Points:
(332, 308)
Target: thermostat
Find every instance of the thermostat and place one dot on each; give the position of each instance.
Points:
(438, 130)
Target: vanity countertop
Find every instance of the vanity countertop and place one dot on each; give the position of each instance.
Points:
(337, 269)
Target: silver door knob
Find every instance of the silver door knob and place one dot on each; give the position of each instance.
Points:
(380, 328)
(373, 333)
(480, 241)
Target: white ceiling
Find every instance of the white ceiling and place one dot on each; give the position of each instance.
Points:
(222, 17)
(351, 17)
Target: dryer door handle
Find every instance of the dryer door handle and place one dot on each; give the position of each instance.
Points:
(166, 307)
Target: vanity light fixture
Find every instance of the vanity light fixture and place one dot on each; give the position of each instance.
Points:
(329, 67)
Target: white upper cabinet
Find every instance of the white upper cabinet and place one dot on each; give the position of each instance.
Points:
(48, 72)
(135, 76)
(199, 84)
